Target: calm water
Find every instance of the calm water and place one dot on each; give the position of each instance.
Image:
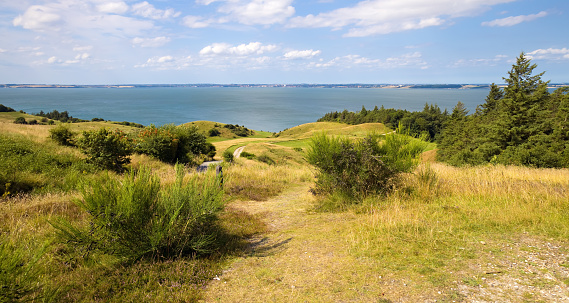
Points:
(269, 109)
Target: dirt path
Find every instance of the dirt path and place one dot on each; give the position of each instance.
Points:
(238, 151)
(309, 257)
(302, 258)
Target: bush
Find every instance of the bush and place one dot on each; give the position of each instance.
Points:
(214, 132)
(363, 167)
(20, 120)
(247, 155)
(106, 149)
(134, 218)
(172, 144)
(227, 156)
(62, 135)
(266, 159)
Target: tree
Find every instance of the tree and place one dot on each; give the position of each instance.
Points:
(523, 105)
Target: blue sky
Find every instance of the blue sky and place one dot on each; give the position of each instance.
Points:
(279, 41)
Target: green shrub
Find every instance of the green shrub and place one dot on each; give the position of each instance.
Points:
(134, 217)
(172, 144)
(106, 149)
(62, 135)
(227, 156)
(214, 132)
(247, 155)
(358, 168)
(20, 120)
(266, 159)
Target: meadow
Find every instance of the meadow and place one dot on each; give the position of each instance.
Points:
(488, 233)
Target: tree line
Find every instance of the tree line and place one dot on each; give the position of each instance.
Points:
(522, 123)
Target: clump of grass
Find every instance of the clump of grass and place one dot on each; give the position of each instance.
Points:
(134, 217)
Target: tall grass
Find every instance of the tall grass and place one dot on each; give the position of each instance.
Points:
(134, 217)
(26, 166)
(441, 214)
(252, 180)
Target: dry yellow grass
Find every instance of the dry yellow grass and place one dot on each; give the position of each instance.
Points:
(252, 180)
(487, 234)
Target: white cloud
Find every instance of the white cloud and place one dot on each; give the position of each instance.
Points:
(259, 11)
(150, 42)
(113, 7)
(498, 59)
(78, 17)
(302, 54)
(82, 48)
(82, 56)
(39, 17)
(205, 2)
(167, 63)
(248, 12)
(372, 17)
(352, 61)
(148, 10)
(549, 54)
(514, 20)
(224, 49)
(196, 22)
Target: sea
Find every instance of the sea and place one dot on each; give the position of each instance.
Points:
(270, 109)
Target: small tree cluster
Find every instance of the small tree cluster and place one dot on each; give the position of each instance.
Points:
(240, 131)
(428, 122)
(4, 108)
(521, 124)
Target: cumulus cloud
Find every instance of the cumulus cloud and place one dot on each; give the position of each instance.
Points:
(39, 17)
(78, 17)
(259, 11)
(248, 12)
(113, 7)
(302, 54)
(150, 42)
(373, 17)
(225, 49)
(514, 20)
(148, 10)
(549, 54)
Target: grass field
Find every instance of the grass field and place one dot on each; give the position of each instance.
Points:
(483, 234)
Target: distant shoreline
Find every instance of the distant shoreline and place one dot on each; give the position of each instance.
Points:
(356, 85)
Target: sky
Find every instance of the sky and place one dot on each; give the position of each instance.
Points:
(279, 41)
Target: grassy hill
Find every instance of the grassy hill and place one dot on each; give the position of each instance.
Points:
(486, 234)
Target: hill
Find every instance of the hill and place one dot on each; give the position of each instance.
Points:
(487, 233)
